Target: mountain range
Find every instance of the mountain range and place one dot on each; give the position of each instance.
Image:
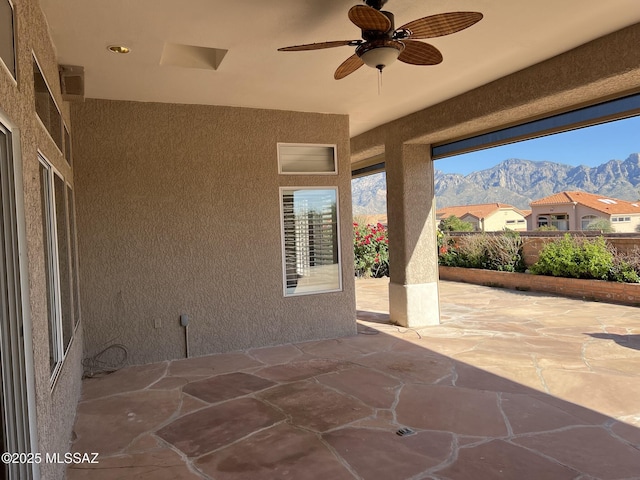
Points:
(514, 181)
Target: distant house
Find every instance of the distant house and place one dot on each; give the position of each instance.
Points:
(576, 210)
(372, 219)
(487, 217)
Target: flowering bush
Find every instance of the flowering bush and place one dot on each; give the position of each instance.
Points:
(371, 248)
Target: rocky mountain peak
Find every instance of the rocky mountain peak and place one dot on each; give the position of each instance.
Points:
(514, 181)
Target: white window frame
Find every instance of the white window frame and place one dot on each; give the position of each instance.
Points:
(621, 219)
(15, 50)
(54, 280)
(282, 238)
(334, 147)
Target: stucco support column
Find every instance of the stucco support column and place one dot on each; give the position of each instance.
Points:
(413, 259)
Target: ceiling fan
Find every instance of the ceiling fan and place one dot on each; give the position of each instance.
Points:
(382, 43)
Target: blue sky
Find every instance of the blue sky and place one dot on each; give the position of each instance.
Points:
(589, 146)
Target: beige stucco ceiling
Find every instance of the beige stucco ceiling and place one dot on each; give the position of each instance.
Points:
(513, 35)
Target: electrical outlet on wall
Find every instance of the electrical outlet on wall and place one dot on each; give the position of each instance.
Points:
(157, 323)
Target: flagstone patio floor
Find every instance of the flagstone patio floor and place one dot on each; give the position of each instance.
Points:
(511, 385)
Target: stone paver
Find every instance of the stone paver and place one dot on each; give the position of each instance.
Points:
(510, 385)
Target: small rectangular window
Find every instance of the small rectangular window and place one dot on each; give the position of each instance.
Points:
(306, 159)
(310, 240)
(46, 107)
(7, 37)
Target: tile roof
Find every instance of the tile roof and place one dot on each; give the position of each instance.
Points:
(372, 219)
(482, 210)
(597, 202)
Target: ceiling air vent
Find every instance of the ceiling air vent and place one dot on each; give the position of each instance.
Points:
(191, 56)
(72, 82)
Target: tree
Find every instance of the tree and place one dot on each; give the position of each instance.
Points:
(601, 224)
(454, 224)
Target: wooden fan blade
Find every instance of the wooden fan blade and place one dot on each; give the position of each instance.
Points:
(420, 53)
(367, 18)
(441, 24)
(349, 66)
(318, 46)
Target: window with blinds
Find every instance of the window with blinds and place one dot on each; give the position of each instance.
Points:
(310, 240)
(306, 159)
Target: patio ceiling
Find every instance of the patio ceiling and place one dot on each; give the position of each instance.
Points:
(512, 36)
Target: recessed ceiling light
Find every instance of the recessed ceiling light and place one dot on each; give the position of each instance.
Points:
(118, 49)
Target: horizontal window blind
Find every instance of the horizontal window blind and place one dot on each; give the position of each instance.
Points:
(310, 241)
(306, 159)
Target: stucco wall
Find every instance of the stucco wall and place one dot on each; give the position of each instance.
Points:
(179, 213)
(575, 217)
(498, 221)
(55, 410)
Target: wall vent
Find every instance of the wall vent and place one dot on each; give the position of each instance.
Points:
(72, 82)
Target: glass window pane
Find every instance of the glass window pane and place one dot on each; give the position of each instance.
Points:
(62, 231)
(310, 228)
(67, 146)
(74, 256)
(45, 195)
(7, 45)
(46, 108)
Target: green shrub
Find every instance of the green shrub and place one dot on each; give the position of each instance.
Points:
(575, 258)
(626, 266)
(489, 252)
(601, 224)
(454, 224)
(371, 250)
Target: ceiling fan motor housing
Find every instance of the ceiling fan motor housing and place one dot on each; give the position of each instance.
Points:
(377, 4)
(380, 48)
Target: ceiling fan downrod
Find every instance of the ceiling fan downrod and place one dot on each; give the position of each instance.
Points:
(377, 4)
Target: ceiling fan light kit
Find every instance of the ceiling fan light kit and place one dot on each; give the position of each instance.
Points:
(382, 44)
(380, 53)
